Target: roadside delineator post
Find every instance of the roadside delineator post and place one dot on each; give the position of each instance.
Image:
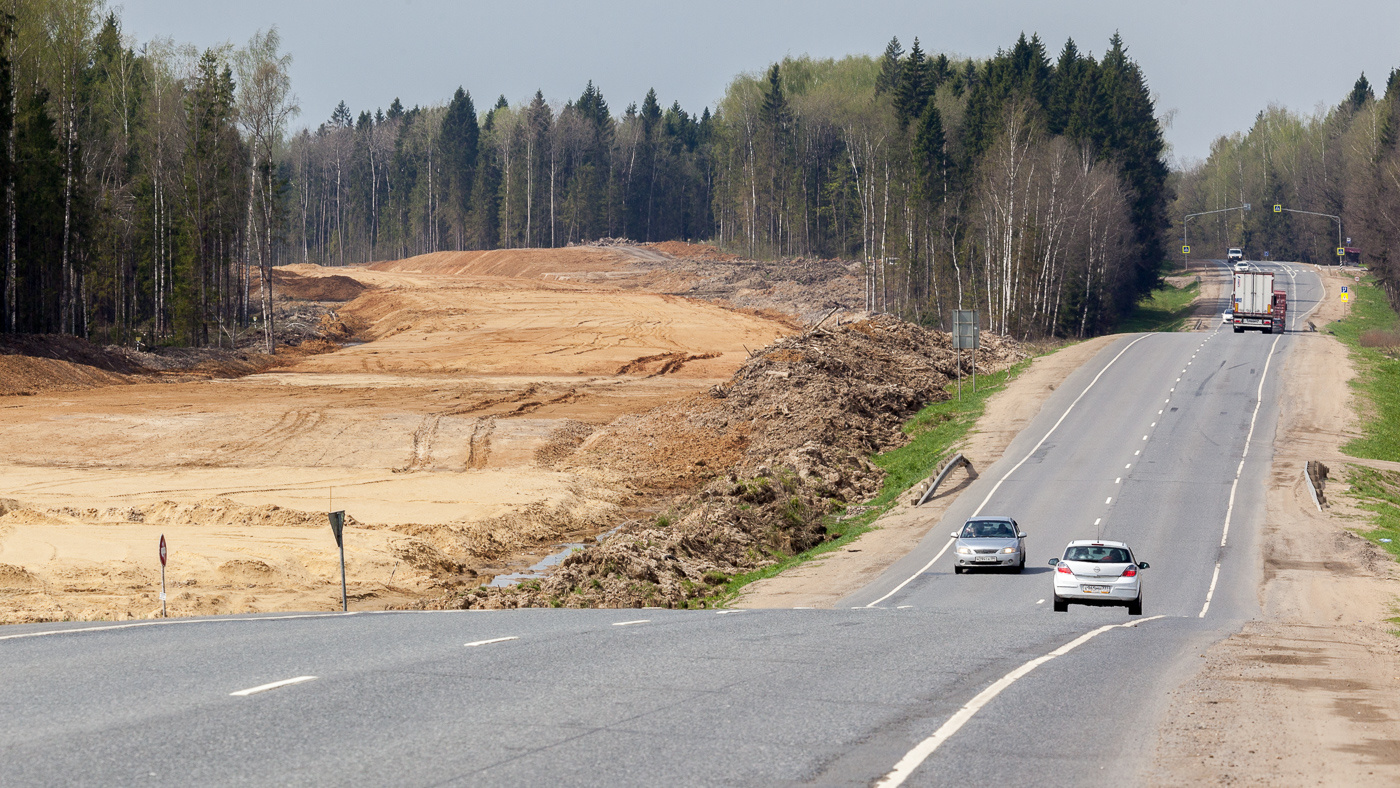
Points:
(162, 575)
(337, 527)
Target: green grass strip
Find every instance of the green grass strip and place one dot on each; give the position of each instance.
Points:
(1377, 374)
(1377, 492)
(933, 432)
(1163, 309)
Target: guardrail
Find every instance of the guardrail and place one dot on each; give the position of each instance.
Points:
(957, 460)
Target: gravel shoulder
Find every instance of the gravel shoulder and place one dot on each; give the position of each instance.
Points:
(1308, 693)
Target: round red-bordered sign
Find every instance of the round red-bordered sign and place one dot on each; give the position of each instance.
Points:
(162, 549)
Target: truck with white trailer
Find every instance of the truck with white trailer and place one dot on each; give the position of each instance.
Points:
(1256, 304)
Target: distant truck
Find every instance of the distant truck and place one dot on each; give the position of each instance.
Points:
(1234, 255)
(1257, 304)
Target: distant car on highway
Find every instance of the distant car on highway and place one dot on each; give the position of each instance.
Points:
(1241, 266)
(989, 542)
(1227, 318)
(1098, 573)
(1234, 254)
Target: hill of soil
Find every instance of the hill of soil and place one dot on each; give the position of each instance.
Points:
(773, 450)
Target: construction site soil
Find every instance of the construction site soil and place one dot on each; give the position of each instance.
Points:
(665, 405)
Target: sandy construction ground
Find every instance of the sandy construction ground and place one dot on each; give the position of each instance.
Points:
(436, 430)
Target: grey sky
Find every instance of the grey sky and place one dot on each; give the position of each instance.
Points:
(1214, 62)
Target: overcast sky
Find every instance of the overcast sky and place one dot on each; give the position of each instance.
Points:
(1213, 64)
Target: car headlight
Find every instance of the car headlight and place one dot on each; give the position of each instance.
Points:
(1008, 549)
(964, 551)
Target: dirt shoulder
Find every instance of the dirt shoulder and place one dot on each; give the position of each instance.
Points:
(1308, 694)
(823, 581)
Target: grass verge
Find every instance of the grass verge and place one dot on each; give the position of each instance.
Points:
(933, 432)
(1164, 309)
(1377, 492)
(1377, 372)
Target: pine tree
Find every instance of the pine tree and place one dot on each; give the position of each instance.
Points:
(460, 138)
(915, 87)
(891, 65)
(1360, 93)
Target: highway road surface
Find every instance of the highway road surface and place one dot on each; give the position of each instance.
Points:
(924, 677)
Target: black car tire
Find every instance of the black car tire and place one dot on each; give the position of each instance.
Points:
(1135, 607)
(957, 570)
(1061, 605)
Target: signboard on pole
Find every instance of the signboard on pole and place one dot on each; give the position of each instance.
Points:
(1278, 208)
(965, 330)
(1186, 250)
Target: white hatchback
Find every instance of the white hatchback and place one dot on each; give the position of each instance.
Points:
(1098, 573)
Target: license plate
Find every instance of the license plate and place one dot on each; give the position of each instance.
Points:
(985, 559)
(1096, 589)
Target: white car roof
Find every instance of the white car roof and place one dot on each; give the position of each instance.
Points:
(1096, 543)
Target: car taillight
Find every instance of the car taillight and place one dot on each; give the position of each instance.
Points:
(1131, 571)
(1063, 568)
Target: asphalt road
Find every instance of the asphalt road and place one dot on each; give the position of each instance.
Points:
(1146, 443)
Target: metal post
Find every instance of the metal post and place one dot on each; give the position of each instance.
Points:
(162, 590)
(344, 600)
(959, 373)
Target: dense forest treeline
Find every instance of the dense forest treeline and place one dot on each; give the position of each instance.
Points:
(1342, 162)
(150, 190)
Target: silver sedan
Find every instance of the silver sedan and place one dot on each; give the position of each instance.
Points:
(989, 542)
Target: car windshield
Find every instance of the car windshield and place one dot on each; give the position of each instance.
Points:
(988, 530)
(1098, 555)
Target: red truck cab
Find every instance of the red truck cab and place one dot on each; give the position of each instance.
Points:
(1280, 311)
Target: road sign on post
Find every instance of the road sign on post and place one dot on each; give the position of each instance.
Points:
(162, 575)
(966, 336)
(1278, 208)
(1186, 250)
(337, 528)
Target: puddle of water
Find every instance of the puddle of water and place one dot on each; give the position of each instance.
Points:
(536, 571)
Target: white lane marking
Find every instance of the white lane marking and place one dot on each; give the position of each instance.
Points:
(1136, 453)
(1154, 424)
(1210, 592)
(169, 623)
(1144, 437)
(1040, 601)
(1129, 465)
(1119, 480)
(1258, 403)
(630, 623)
(804, 608)
(1159, 413)
(489, 642)
(726, 612)
(1014, 468)
(274, 685)
(903, 607)
(915, 757)
(1099, 520)
(1108, 500)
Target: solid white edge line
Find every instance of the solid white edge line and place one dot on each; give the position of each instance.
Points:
(168, 622)
(629, 623)
(915, 757)
(997, 486)
(489, 642)
(1210, 592)
(274, 685)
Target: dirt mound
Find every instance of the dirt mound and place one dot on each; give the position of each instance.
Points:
(14, 578)
(777, 447)
(331, 287)
(694, 251)
(22, 375)
(513, 263)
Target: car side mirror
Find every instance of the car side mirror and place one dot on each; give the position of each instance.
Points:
(1020, 534)
(1054, 561)
(1144, 565)
(954, 534)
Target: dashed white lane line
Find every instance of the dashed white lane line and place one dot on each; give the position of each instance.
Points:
(903, 607)
(489, 642)
(1014, 468)
(1040, 601)
(915, 757)
(1119, 480)
(274, 685)
(171, 623)
(726, 612)
(1136, 453)
(1108, 500)
(1129, 465)
(1144, 437)
(1099, 520)
(630, 623)
(1239, 470)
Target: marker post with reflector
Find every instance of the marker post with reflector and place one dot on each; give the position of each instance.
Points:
(337, 528)
(162, 575)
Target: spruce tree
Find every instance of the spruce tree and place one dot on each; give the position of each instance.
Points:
(1360, 93)
(460, 140)
(914, 87)
(891, 64)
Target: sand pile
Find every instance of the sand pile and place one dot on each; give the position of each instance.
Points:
(774, 450)
(331, 287)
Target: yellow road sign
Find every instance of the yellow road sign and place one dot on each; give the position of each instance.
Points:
(1278, 208)
(1186, 250)
(1341, 251)
(1346, 297)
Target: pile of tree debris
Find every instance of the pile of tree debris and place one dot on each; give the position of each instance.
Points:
(772, 451)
